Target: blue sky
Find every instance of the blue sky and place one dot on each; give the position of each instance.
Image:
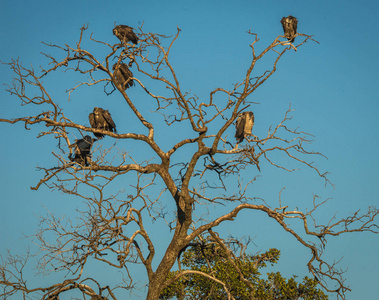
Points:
(331, 86)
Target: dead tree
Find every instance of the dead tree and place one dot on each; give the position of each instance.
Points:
(112, 230)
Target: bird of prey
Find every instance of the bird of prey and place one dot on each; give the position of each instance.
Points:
(101, 119)
(82, 150)
(244, 125)
(122, 75)
(125, 34)
(290, 27)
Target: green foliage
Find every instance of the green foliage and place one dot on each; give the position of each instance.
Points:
(211, 259)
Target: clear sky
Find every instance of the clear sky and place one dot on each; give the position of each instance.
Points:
(330, 85)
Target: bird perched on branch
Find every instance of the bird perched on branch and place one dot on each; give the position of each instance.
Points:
(101, 119)
(123, 75)
(82, 150)
(125, 34)
(244, 125)
(290, 27)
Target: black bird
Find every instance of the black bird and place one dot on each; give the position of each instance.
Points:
(82, 150)
(290, 27)
(125, 34)
(122, 74)
(101, 119)
(244, 125)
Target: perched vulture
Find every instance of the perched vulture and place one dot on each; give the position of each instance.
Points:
(290, 27)
(82, 153)
(122, 73)
(125, 34)
(244, 125)
(101, 119)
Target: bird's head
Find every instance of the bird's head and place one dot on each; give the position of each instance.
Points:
(116, 30)
(89, 139)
